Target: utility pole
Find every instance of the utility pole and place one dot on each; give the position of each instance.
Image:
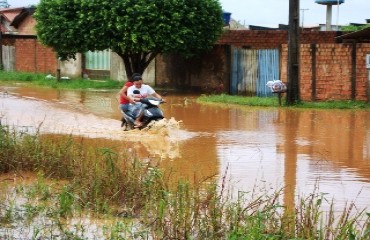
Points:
(293, 95)
(303, 9)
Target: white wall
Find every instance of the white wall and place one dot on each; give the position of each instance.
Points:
(118, 71)
(71, 68)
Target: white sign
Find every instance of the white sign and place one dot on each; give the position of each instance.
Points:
(368, 61)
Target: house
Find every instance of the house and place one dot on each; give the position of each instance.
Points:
(21, 51)
(241, 62)
(7, 49)
(7, 15)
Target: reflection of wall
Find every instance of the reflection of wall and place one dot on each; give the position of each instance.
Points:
(197, 163)
(367, 146)
(335, 136)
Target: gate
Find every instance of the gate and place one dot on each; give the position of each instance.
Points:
(251, 69)
(8, 60)
(97, 64)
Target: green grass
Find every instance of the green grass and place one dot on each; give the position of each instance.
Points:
(274, 102)
(75, 179)
(41, 80)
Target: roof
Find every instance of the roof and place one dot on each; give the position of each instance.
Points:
(10, 13)
(22, 15)
(361, 35)
(7, 15)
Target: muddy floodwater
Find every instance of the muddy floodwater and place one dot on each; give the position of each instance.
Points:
(297, 150)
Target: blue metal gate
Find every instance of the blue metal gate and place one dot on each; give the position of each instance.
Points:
(252, 69)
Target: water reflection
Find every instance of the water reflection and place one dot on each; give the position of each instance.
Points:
(296, 150)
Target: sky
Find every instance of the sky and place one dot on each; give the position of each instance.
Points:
(271, 13)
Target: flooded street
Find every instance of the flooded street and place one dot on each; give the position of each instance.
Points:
(297, 150)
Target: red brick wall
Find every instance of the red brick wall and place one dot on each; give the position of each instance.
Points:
(31, 56)
(207, 73)
(263, 39)
(333, 71)
(27, 26)
(254, 39)
(333, 61)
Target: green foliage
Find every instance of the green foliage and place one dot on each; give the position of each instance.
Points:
(240, 100)
(100, 179)
(354, 28)
(137, 30)
(273, 102)
(21, 76)
(41, 80)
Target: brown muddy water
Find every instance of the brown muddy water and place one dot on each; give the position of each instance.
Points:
(298, 150)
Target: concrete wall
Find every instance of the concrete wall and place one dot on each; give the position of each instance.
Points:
(118, 71)
(71, 68)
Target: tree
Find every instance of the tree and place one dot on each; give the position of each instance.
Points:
(137, 30)
(351, 28)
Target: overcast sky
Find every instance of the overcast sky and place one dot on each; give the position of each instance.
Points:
(270, 13)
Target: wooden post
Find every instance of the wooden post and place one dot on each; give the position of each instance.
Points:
(58, 69)
(279, 96)
(293, 95)
(353, 76)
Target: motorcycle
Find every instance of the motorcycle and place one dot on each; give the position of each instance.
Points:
(151, 113)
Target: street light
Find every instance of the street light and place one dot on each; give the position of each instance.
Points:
(303, 9)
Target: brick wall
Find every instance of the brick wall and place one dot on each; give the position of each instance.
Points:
(267, 39)
(332, 71)
(327, 70)
(208, 73)
(254, 39)
(31, 56)
(27, 26)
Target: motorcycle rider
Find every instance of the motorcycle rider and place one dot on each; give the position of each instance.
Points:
(145, 91)
(124, 100)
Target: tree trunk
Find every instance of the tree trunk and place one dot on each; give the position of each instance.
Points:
(136, 63)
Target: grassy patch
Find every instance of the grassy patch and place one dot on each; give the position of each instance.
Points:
(75, 180)
(240, 100)
(41, 80)
(274, 102)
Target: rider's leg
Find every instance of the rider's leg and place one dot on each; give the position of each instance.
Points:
(139, 116)
(138, 120)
